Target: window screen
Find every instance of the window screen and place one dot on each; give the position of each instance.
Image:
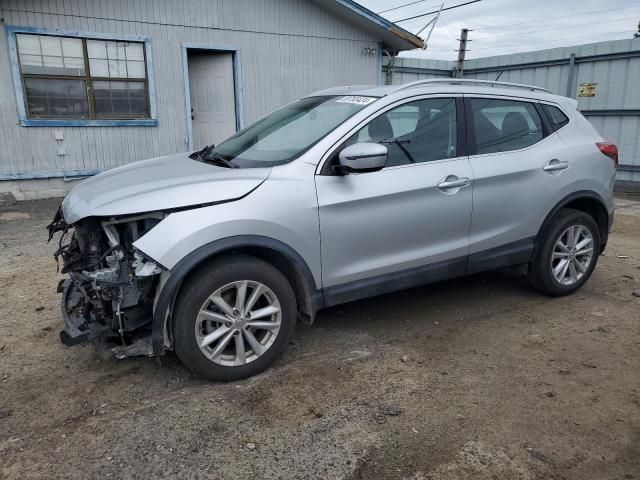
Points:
(80, 78)
(503, 125)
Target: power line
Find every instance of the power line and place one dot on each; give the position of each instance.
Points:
(556, 18)
(436, 11)
(405, 5)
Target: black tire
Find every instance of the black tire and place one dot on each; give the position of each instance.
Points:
(201, 285)
(540, 271)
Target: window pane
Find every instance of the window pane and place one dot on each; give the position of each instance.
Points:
(31, 63)
(46, 55)
(96, 49)
(116, 59)
(135, 69)
(556, 117)
(120, 99)
(73, 63)
(29, 44)
(51, 46)
(117, 69)
(134, 51)
(503, 125)
(416, 132)
(55, 98)
(53, 64)
(115, 51)
(72, 47)
(404, 119)
(99, 68)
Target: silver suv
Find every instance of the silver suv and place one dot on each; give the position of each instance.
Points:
(348, 193)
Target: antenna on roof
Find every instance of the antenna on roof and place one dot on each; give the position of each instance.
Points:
(431, 22)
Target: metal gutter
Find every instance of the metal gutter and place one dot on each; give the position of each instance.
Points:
(380, 21)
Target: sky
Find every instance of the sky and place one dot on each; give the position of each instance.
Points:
(509, 26)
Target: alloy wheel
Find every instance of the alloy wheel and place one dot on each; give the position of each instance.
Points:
(572, 254)
(238, 323)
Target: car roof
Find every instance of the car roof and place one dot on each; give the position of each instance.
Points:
(438, 86)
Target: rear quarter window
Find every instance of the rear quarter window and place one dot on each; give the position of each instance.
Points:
(556, 117)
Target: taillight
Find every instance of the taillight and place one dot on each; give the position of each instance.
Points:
(610, 150)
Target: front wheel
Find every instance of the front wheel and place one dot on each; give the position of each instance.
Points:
(567, 255)
(234, 318)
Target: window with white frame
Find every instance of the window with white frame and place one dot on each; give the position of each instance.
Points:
(83, 78)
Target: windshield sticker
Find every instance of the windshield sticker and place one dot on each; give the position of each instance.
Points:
(355, 100)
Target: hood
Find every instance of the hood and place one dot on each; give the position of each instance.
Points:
(162, 183)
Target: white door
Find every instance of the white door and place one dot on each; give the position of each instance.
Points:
(213, 110)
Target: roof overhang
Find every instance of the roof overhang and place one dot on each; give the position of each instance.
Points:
(391, 35)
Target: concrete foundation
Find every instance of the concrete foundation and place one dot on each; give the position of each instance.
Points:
(37, 189)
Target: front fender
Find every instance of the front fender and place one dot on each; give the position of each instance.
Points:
(171, 282)
(282, 215)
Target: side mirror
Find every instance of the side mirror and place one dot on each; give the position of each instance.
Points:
(362, 157)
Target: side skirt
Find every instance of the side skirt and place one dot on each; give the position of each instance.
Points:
(391, 282)
(516, 253)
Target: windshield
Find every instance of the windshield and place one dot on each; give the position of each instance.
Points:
(286, 133)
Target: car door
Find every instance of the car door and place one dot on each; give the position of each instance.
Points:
(521, 169)
(409, 222)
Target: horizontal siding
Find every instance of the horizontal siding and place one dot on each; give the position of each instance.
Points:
(288, 48)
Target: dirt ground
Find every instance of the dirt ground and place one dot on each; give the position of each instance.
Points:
(478, 378)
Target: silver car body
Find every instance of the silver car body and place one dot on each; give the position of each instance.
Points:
(363, 234)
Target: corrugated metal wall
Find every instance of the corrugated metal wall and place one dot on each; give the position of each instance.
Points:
(409, 69)
(288, 49)
(613, 65)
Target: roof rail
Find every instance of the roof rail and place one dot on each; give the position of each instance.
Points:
(467, 81)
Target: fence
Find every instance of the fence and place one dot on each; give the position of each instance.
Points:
(604, 77)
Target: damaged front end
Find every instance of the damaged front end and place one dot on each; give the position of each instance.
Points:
(108, 296)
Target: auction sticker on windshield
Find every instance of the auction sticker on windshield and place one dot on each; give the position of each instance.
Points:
(355, 99)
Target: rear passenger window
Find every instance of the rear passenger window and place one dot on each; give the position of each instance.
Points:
(503, 125)
(556, 117)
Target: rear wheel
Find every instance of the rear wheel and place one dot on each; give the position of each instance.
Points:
(567, 255)
(234, 318)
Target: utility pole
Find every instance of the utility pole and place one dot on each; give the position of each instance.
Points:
(391, 55)
(461, 52)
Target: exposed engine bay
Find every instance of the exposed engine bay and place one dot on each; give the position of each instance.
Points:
(108, 296)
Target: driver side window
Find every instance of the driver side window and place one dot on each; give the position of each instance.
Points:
(420, 131)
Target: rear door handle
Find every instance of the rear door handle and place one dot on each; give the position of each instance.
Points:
(555, 164)
(453, 182)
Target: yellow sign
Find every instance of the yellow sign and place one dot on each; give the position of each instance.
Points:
(587, 90)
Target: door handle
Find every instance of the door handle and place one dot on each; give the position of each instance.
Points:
(447, 184)
(554, 165)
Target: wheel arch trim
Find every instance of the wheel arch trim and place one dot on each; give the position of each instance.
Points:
(572, 197)
(184, 267)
